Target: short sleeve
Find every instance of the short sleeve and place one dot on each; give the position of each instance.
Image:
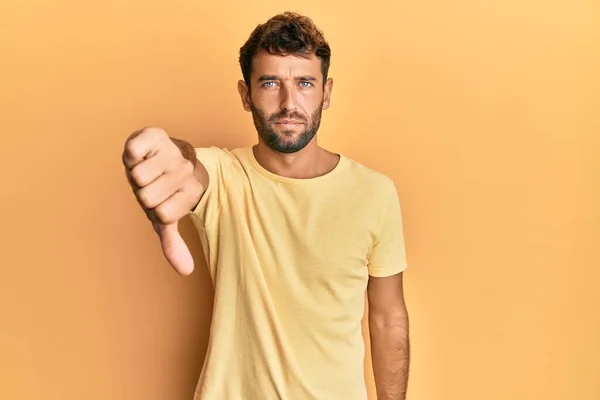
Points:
(217, 163)
(388, 255)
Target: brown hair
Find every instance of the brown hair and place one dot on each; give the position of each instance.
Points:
(285, 34)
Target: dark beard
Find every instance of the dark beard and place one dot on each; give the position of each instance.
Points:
(277, 141)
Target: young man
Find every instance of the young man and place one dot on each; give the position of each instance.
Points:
(294, 236)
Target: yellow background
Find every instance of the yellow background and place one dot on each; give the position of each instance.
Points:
(485, 113)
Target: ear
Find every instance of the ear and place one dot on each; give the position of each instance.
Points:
(244, 94)
(327, 93)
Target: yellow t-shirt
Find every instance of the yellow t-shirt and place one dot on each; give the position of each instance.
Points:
(290, 261)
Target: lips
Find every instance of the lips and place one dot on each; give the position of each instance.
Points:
(287, 122)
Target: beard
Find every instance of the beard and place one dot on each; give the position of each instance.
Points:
(285, 142)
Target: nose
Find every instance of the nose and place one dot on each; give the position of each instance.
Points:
(288, 102)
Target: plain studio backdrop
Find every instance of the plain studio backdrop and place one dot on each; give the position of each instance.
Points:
(485, 113)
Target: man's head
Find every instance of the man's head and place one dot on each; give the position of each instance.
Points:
(285, 63)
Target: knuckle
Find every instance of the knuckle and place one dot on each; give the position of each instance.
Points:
(145, 198)
(174, 152)
(132, 151)
(130, 179)
(188, 167)
(164, 214)
(133, 136)
(156, 132)
(139, 143)
(137, 176)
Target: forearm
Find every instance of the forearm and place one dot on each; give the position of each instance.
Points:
(390, 351)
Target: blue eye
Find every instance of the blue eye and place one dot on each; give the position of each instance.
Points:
(268, 84)
(305, 84)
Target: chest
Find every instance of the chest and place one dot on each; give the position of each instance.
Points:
(312, 237)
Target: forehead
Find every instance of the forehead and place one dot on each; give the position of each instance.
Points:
(285, 66)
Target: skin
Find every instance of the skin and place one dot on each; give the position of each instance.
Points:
(167, 185)
(168, 182)
(292, 88)
(389, 336)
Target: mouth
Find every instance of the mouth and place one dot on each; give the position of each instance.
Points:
(287, 122)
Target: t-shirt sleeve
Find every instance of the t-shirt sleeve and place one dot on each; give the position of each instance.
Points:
(388, 255)
(218, 165)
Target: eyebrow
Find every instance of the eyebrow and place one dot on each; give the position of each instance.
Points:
(275, 77)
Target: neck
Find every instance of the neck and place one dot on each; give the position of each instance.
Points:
(310, 162)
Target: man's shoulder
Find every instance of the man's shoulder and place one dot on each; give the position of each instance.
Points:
(368, 177)
(222, 155)
(220, 151)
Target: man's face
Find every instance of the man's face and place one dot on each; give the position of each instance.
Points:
(286, 99)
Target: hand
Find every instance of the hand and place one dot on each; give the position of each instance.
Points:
(166, 188)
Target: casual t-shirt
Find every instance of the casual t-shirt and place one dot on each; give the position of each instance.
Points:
(290, 261)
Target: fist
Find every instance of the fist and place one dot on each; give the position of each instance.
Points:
(166, 188)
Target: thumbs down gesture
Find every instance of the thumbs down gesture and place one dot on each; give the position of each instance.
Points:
(166, 188)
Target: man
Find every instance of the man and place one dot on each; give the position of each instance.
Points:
(294, 235)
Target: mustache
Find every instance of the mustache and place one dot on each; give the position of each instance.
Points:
(286, 115)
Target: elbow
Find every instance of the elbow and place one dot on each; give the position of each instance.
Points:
(391, 320)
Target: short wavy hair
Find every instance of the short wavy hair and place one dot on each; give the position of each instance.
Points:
(284, 34)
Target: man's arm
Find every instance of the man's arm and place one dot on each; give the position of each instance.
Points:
(390, 345)
(168, 183)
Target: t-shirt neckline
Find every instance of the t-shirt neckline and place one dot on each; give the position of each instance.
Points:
(299, 181)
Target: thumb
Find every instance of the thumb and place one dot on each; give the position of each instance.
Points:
(174, 248)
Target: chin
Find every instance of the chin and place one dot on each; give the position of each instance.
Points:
(287, 150)
(287, 141)
(286, 145)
